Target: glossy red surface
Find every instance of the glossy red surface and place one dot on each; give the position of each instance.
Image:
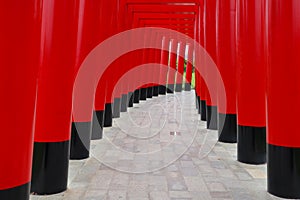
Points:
(173, 62)
(251, 64)
(189, 66)
(20, 23)
(226, 52)
(108, 25)
(283, 71)
(88, 36)
(164, 61)
(58, 52)
(203, 88)
(210, 36)
(181, 61)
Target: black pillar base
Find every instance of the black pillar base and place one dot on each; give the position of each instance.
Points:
(196, 101)
(50, 167)
(212, 117)
(143, 94)
(284, 171)
(199, 104)
(124, 103)
(130, 99)
(80, 140)
(17, 193)
(252, 145)
(136, 96)
(116, 108)
(187, 87)
(178, 87)
(97, 127)
(108, 115)
(155, 91)
(203, 110)
(162, 90)
(227, 133)
(149, 92)
(170, 88)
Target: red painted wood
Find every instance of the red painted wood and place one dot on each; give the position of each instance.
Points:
(210, 38)
(251, 74)
(19, 62)
(189, 66)
(181, 60)
(226, 52)
(283, 71)
(54, 105)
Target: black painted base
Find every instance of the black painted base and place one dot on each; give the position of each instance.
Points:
(170, 88)
(130, 99)
(149, 92)
(212, 117)
(143, 94)
(227, 128)
(116, 108)
(284, 171)
(178, 87)
(155, 91)
(252, 145)
(50, 167)
(199, 104)
(187, 87)
(124, 103)
(136, 96)
(97, 126)
(17, 193)
(162, 90)
(203, 110)
(80, 140)
(108, 115)
(196, 101)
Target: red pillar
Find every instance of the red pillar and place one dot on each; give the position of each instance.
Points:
(54, 100)
(87, 40)
(251, 111)
(210, 46)
(20, 23)
(283, 89)
(89, 37)
(157, 53)
(226, 61)
(180, 71)
(189, 70)
(104, 99)
(172, 66)
(203, 88)
(164, 70)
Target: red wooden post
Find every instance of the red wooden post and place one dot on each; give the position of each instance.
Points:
(210, 46)
(181, 63)
(19, 63)
(283, 89)
(189, 69)
(54, 100)
(251, 110)
(226, 60)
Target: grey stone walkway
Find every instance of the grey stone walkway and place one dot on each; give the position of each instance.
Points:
(160, 150)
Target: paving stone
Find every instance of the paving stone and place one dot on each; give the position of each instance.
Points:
(207, 170)
(216, 187)
(220, 195)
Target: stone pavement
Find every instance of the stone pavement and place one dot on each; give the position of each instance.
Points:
(160, 150)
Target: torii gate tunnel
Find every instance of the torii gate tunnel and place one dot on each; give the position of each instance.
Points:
(67, 69)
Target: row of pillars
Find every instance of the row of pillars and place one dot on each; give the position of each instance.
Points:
(255, 45)
(44, 43)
